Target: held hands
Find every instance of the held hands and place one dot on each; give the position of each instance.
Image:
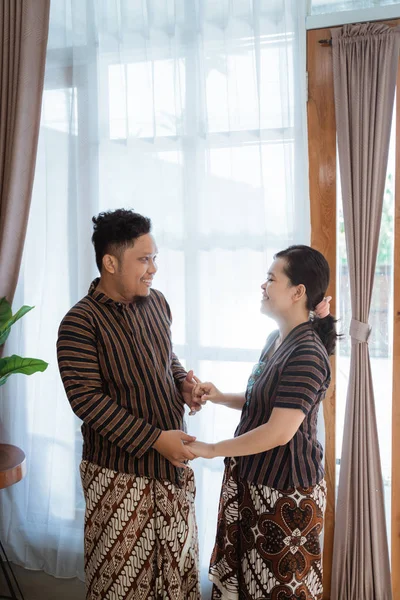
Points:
(186, 388)
(195, 393)
(177, 446)
(206, 391)
(202, 450)
(174, 446)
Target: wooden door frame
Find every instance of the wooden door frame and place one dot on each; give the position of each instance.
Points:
(322, 179)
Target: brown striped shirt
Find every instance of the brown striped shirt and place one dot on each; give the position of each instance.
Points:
(121, 376)
(296, 376)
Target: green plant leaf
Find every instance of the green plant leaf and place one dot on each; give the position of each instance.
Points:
(18, 315)
(5, 326)
(16, 364)
(4, 333)
(5, 312)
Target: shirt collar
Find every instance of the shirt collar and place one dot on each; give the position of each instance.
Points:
(99, 296)
(104, 299)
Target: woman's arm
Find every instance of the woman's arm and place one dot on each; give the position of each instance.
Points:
(208, 392)
(278, 431)
(235, 401)
(305, 376)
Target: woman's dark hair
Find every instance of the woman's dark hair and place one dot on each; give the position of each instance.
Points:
(116, 230)
(304, 265)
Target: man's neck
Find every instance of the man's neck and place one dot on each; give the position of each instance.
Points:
(108, 290)
(105, 287)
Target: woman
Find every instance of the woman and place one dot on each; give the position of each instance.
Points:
(273, 493)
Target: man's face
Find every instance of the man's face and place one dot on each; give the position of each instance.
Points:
(136, 267)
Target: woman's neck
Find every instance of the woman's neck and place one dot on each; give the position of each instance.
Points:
(287, 324)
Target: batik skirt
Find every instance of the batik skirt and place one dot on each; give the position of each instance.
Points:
(140, 537)
(268, 541)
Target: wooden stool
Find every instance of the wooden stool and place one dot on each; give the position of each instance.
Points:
(12, 470)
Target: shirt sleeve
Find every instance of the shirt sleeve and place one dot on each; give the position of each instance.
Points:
(304, 377)
(178, 371)
(80, 373)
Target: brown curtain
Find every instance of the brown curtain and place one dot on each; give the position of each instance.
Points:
(365, 59)
(23, 39)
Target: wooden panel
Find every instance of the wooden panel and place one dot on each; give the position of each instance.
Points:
(322, 176)
(395, 554)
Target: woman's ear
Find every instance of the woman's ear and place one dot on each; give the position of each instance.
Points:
(300, 292)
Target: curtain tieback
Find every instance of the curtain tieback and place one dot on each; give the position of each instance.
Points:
(359, 331)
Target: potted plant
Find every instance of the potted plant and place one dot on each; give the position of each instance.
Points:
(15, 364)
(12, 458)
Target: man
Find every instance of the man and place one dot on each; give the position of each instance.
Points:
(123, 380)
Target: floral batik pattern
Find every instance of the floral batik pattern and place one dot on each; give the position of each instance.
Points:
(268, 541)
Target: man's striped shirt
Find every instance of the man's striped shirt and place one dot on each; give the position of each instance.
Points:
(296, 376)
(121, 377)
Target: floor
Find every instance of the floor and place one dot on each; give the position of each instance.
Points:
(36, 585)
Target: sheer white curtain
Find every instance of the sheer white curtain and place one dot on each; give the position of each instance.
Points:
(321, 7)
(192, 113)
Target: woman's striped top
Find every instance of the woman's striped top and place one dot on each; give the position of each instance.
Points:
(296, 376)
(121, 377)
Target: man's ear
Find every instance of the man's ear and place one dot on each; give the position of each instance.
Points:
(110, 263)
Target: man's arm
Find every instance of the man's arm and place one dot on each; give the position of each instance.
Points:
(178, 371)
(80, 373)
(184, 381)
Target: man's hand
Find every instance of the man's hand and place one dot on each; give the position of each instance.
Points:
(172, 445)
(186, 389)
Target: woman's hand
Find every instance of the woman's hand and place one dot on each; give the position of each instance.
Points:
(206, 391)
(201, 449)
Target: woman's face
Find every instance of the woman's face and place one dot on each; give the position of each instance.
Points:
(279, 294)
